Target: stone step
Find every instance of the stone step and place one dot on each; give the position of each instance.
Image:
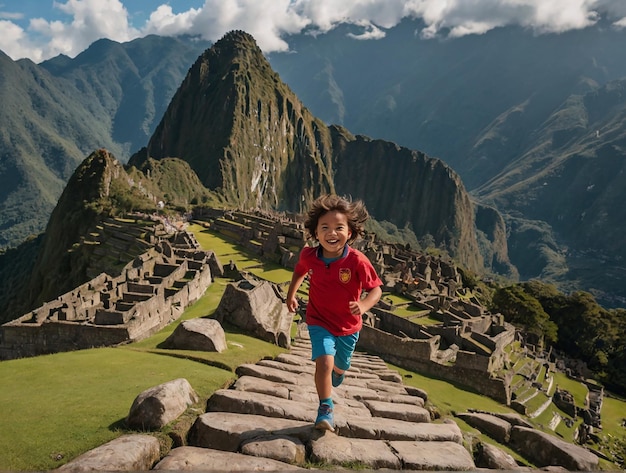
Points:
(265, 422)
(271, 408)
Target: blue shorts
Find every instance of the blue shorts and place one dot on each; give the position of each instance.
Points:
(325, 343)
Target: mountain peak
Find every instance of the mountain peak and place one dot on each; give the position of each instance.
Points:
(249, 138)
(236, 39)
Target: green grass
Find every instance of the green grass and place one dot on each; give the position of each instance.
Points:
(613, 434)
(536, 402)
(67, 403)
(575, 388)
(64, 404)
(448, 397)
(397, 299)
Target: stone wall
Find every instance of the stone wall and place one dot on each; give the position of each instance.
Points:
(152, 291)
(274, 236)
(469, 369)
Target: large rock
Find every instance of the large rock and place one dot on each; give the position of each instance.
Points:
(334, 450)
(547, 450)
(229, 431)
(254, 307)
(433, 456)
(205, 459)
(490, 456)
(380, 428)
(278, 447)
(198, 334)
(125, 453)
(159, 405)
(497, 428)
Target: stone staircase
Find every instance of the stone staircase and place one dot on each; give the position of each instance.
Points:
(264, 422)
(269, 414)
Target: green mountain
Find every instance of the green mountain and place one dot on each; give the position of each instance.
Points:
(505, 110)
(56, 113)
(250, 138)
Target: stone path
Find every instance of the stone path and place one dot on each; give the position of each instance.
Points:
(265, 422)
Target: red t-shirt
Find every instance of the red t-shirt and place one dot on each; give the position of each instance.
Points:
(332, 286)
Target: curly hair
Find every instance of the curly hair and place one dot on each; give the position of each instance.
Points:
(355, 212)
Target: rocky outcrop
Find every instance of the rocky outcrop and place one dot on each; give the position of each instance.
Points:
(158, 406)
(254, 307)
(197, 334)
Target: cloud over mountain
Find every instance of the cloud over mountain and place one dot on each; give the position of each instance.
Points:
(77, 23)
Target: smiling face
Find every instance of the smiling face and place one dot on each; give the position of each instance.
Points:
(333, 232)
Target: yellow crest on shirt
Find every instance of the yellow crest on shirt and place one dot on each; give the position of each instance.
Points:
(344, 275)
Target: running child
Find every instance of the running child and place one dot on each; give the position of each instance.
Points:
(338, 275)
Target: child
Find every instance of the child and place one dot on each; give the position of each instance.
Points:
(337, 276)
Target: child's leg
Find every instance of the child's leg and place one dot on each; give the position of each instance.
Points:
(323, 353)
(345, 347)
(323, 370)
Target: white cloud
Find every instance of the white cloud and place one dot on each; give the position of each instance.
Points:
(163, 21)
(7, 15)
(266, 20)
(462, 17)
(620, 23)
(93, 20)
(13, 42)
(269, 21)
(90, 20)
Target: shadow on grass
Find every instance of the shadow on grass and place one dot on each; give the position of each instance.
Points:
(119, 425)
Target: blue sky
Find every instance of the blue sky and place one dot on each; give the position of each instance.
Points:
(41, 29)
(139, 10)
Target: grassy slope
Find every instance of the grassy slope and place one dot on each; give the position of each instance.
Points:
(68, 403)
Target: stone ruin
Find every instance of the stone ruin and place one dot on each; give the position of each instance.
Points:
(152, 291)
(466, 345)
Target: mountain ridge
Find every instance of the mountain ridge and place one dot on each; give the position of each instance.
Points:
(56, 113)
(257, 147)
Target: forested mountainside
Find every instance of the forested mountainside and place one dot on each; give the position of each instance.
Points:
(56, 113)
(246, 134)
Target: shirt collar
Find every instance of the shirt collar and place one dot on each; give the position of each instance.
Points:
(320, 251)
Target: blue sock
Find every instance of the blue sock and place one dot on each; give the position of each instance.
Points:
(328, 401)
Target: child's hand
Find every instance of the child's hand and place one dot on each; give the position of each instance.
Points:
(355, 308)
(292, 305)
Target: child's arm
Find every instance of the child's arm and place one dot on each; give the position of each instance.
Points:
(292, 302)
(365, 304)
